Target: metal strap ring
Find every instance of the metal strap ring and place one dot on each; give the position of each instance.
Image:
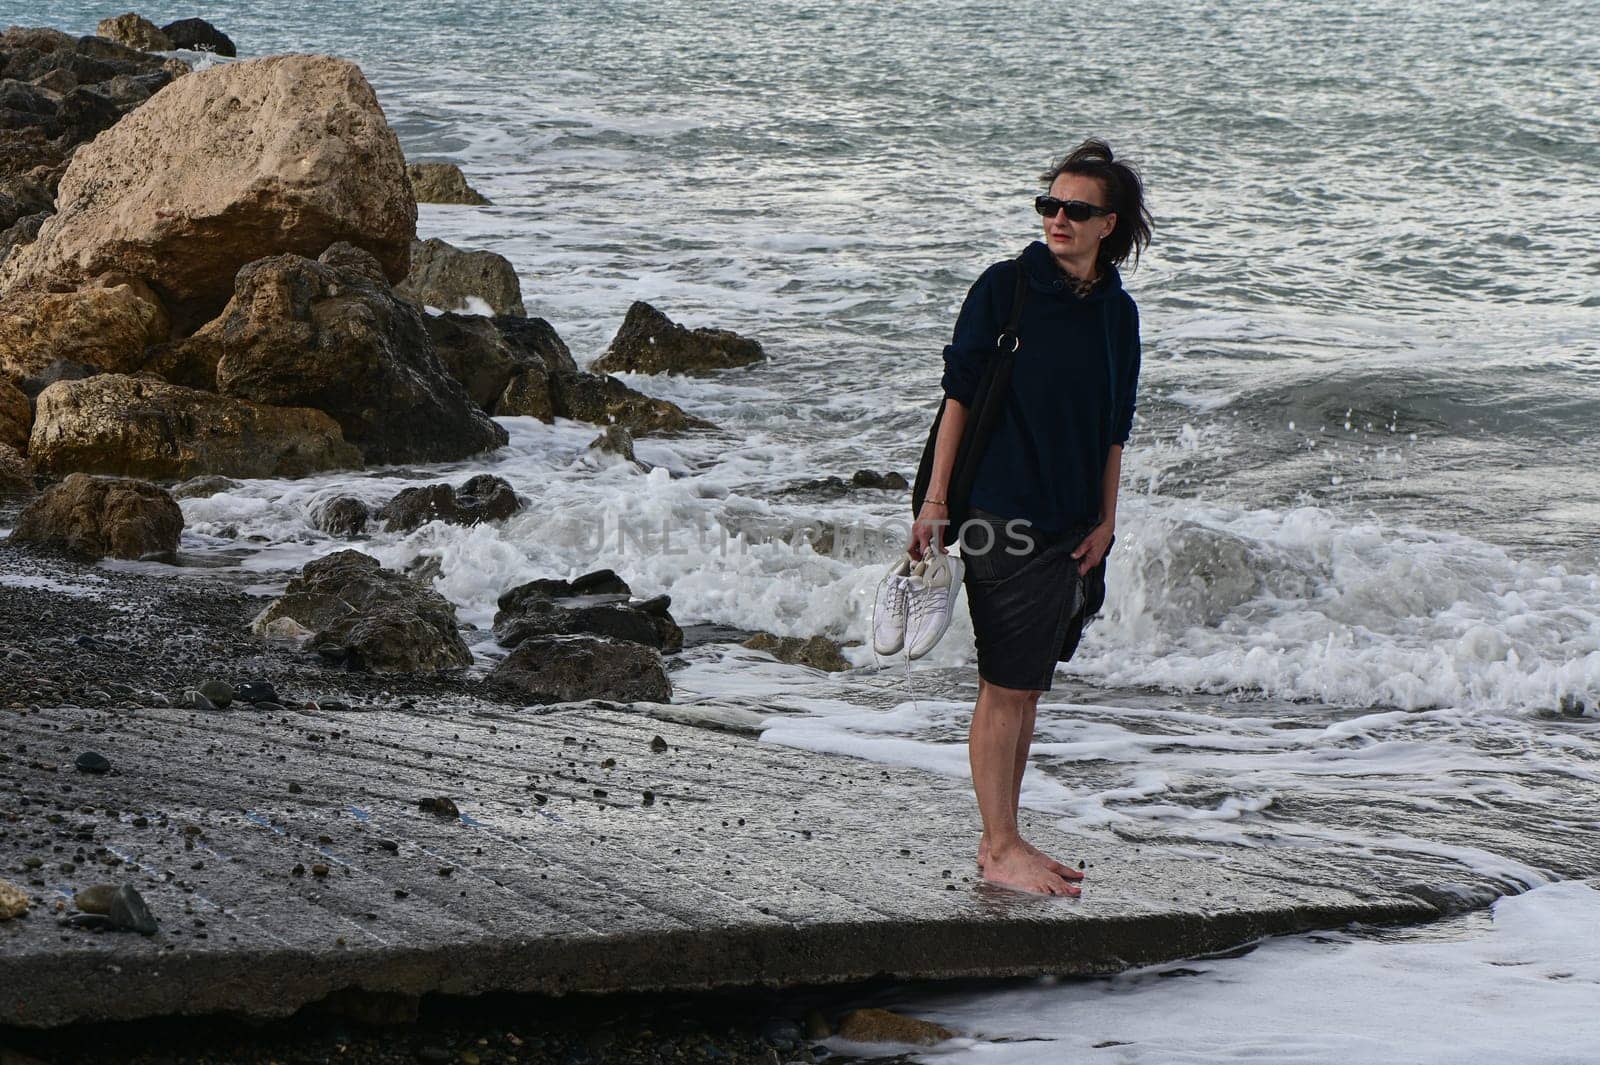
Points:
(1015, 343)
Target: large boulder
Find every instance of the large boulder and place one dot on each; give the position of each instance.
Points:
(224, 166)
(331, 335)
(106, 327)
(597, 604)
(142, 427)
(452, 278)
(443, 183)
(562, 669)
(604, 400)
(16, 416)
(198, 35)
(482, 498)
(100, 516)
(350, 609)
(135, 31)
(650, 342)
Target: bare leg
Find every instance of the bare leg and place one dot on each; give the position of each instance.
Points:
(997, 723)
(1019, 767)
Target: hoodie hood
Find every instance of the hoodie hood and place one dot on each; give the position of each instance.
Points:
(1046, 277)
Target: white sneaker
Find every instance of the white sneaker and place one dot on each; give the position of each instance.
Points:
(932, 588)
(889, 610)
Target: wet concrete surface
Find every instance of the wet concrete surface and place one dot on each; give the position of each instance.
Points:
(286, 857)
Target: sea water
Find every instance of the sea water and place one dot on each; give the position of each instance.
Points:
(1353, 602)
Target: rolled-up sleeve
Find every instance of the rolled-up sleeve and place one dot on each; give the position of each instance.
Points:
(1127, 377)
(969, 349)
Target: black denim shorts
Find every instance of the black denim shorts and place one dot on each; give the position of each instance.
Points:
(1026, 598)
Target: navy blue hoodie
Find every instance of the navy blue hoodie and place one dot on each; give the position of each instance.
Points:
(1072, 388)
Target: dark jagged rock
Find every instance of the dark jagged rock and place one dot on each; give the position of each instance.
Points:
(129, 912)
(534, 340)
(344, 516)
(596, 582)
(619, 619)
(351, 610)
(527, 395)
(330, 335)
(443, 183)
(100, 516)
(558, 669)
(447, 277)
(650, 342)
(482, 498)
(472, 351)
(604, 400)
(198, 35)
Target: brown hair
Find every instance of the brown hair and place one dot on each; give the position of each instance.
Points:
(1123, 188)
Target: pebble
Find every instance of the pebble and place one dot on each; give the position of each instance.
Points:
(659, 744)
(319, 869)
(219, 692)
(92, 762)
(13, 901)
(256, 691)
(128, 911)
(196, 701)
(439, 804)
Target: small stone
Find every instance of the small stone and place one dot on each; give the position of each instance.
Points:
(295, 789)
(31, 862)
(319, 869)
(220, 692)
(128, 911)
(96, 899)
(881, 1026)
(389, 845)
(446, 870)
(817, 1026)
(13, 901)
(195, 701)
(298, 870)
(649, 798)
(92, 762)
(332, 706)
(440, 805)
(658, 745)
(256, 691)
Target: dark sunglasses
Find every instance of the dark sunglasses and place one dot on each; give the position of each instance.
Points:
(1076, 210)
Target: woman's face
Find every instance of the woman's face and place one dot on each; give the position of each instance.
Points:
(1067, 239)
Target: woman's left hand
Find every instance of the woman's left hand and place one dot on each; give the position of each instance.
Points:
(1094, 547)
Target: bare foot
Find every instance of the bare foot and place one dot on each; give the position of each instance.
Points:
(1066, 872)
(1025, 870)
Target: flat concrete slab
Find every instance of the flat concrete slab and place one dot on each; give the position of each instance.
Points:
(286, 858)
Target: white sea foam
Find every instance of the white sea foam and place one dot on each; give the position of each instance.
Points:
(1520, 991)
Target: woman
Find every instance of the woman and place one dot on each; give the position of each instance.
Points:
(1044, 502)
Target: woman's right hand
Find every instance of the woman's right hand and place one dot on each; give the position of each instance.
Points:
(929, 529)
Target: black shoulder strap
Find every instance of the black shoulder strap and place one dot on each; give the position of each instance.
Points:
(1008, 339)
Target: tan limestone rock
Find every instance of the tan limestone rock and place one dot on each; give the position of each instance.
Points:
(142, 427)
(100, 516)
(16, 416)
(135, 31)
(106, 326)
(288, 153)
(443, 183)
